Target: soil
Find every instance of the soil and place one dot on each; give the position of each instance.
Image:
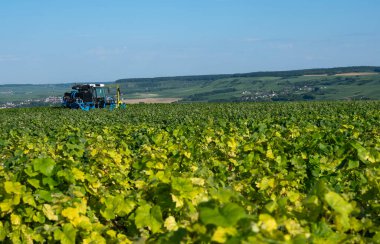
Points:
(152, 100)
(357, 74)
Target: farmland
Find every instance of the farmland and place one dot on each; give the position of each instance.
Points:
(201, 172)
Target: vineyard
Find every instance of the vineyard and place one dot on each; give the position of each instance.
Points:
(170, 173)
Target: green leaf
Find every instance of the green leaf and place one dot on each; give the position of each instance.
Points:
(233, 212)
(212, 216)
(116, 206)
(147, 216)
(34, 182)
(271, 206)
(342, 222)
(67, 235)
(156, 218)
(226, 216)
(44, 195)
(44, 166)
(183, 186)
(29, 199)
(337, 203)
(108, 213)
(50, 182)
(39, 217)
(29, 171)
(3, 231)
(353, 164)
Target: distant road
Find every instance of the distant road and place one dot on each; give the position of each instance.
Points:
(151, 100)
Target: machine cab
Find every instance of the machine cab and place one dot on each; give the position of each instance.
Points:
(90, 96)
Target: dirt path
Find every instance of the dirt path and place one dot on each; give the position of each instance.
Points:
(347, 74)
(151, 100)
(357, 74)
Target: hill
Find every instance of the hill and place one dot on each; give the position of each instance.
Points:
(344, 83)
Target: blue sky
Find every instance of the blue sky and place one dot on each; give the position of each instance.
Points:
(54, 41)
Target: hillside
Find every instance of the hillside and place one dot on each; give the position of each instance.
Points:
(345, 83)
(29, 95)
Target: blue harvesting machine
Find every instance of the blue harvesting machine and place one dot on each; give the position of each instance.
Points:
(91, 96)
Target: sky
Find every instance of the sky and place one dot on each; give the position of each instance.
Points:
(57, 41)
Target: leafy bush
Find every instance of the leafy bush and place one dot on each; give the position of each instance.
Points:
(246, 172)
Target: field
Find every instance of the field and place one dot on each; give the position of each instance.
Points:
(192, 173)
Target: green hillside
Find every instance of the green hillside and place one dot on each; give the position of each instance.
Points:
(346, 83)
(23, 92)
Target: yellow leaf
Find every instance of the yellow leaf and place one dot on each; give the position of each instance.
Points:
(83, 222)
(140, 184)
(267, 222)
(29, 199)
(293, 196)
(265, 183)
(270, 154)
(232, 143)
(303, 155)
(197, 181)
(221, 234)
(171, 224)
(70, 213)
(49, 212)
(293, 227)
(159, 165)
(111, 233)
(94, 238)
(82, 206)
(193, 168)
(115, 156)
(14, 187)
(93, 152)
(187, 154)
(6, 205)
(95, 185)
(78, 175)
(15, 219)
(177, 200)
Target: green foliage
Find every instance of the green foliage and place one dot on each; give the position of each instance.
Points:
(226, 216)
(236, 173)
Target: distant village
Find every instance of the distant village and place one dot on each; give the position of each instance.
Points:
(33, 102)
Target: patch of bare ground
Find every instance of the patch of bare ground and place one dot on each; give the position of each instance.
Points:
(151, 100)
(315, 75)
(346, 74)
(357, 74)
